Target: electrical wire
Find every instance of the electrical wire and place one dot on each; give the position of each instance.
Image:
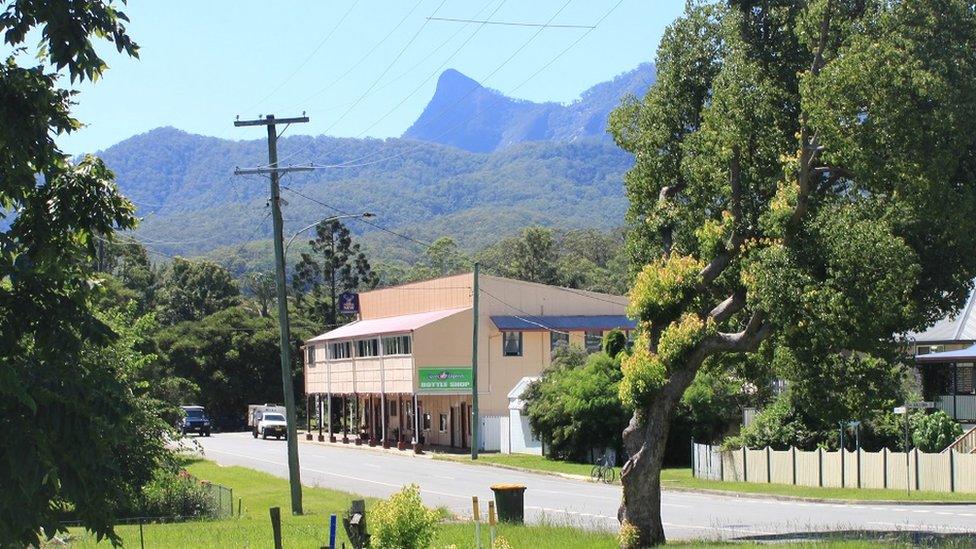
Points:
(509, 23)
(363, 161)
(307, 59)
(414, 91)
(524, 312)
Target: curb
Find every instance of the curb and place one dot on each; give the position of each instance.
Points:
(726, 493)
(782, 497)
(392, 451)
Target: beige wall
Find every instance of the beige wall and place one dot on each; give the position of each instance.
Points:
(451, 292)
(447, 343)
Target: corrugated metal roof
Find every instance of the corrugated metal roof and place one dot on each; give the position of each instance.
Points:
(526, 323)
(958, 327)
(388, 325)
(960, 355)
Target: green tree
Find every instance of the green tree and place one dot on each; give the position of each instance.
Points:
(343, 267)
(85, 438)
(262, 287)
(793, 166)
(575, 405)
(191, 290)
(232, 358)
(441, 258)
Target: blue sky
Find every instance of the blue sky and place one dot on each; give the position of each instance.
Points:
(202, 63)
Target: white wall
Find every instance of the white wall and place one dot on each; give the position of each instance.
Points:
(521, 435)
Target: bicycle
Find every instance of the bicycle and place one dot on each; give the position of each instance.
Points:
(603, 471)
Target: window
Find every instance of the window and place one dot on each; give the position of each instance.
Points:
(367, 347)
(964, 379)
(442, 425)
(926, 349)
(557, 339)
(426, 421)
(512, 343)
(593, 341)
(340, 350)
(396, 345)
(310, 356)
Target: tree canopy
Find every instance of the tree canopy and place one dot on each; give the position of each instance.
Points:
(794, 166)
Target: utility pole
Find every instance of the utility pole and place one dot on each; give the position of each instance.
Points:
(294, 476)
(474, 369)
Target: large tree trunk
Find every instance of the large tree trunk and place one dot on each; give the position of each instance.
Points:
(645, 439)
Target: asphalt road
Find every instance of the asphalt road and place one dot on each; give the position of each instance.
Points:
(580, 503)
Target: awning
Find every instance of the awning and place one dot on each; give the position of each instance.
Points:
(961, 355)
(565, 323)
(389, 325)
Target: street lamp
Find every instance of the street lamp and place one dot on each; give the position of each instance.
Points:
(364, 215)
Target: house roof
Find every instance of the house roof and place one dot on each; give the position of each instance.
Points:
(527, 323)
(960, 355)
(388, 325)
(515, 395)
(960, 326)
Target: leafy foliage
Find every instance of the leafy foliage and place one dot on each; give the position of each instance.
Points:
(934, 432)
(402, 521)
(574, 405)
(191, 290)
(343, 267)
(87, 434)
(175, 494)
(791, 160)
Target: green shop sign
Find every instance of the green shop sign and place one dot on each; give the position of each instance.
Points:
(444, 380)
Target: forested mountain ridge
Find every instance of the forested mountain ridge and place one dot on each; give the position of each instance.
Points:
(546, 164)
(192, 203)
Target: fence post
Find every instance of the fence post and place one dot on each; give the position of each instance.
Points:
(858, 466)
(745, 464)
(769, 466)
(142, 540)
(332, 532)
(840, 452)
(952, 470)
(793, 456)
(694, 459)
(820, 467)
(884, 466)
(916, 471)
(721, 463)
(276, 525)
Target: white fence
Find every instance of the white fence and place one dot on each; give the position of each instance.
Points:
(943, 472)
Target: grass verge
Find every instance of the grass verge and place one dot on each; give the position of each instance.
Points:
(260, 491)
(681, 478)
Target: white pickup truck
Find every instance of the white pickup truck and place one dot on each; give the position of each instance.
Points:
(272, 425)
(268, 420)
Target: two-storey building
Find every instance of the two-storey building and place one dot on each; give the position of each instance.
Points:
(402, 372)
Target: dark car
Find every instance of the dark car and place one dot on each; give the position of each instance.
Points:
(195, 420)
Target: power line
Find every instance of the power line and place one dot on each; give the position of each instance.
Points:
(366, 221)
(402, 101)
(307, 59)
(524, 312)
(357, 162)
(509, 23)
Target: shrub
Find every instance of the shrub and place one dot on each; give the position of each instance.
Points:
(934, 432)
(402, 522)
(629, 536)
(614, 343)
(172, 494)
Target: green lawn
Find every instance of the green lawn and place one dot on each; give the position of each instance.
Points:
(260, 491)
(682, 478)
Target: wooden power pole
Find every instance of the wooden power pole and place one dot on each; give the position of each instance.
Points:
(474, 368)
(272, 169)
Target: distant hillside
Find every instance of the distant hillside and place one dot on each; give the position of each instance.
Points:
(466, 115)
(476, 165)
(192, 204)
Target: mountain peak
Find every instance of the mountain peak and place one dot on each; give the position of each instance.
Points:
(463, 113)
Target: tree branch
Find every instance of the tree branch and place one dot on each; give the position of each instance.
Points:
(729, 306)
(722, 259)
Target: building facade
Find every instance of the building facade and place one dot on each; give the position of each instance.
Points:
(402, 373)
(950, 384)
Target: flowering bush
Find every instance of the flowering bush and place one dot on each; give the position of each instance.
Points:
(403, 522)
